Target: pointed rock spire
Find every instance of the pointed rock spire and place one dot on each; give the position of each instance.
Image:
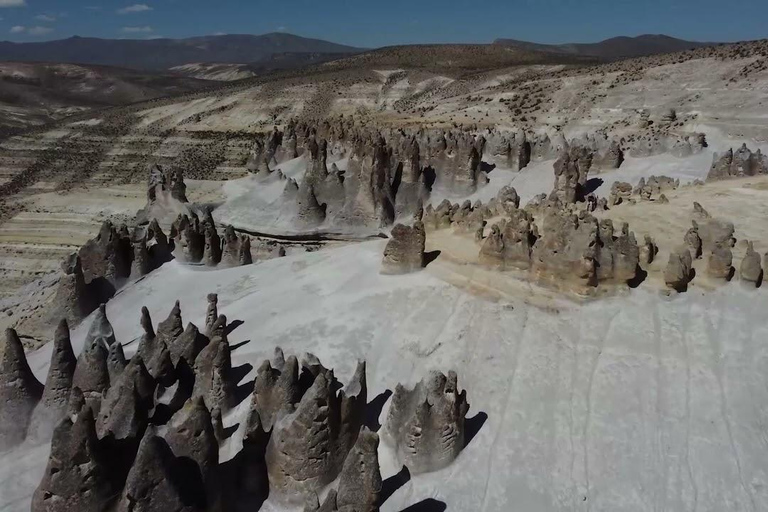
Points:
(275, 389)
(172, 327)
(212, 312)
(58, 385)
(213, 368)
(188, 345)
(116, 361)
(20, 391)
(154, 481)
(154, 352)
(91, 371)
(100, 327)
(77, 476)
(360, 478)
(123, 414)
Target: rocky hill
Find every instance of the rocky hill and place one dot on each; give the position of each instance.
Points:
(611, 49)
(166, 53)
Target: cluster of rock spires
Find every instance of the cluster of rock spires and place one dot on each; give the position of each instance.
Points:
(144, 433)
(735, 164)
(104, 264)
(652, 189)
(118, 255)
(712, 239)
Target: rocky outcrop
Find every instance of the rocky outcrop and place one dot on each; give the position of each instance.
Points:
(719, 263)
(621, 192)
(425, 425)
(750, 270)
(404, 252)
(156, 481)
(124, 411)
(734, 164)
(116, 361)
(73, 300)
(20, 392)
(189, 239)
(107, 256)
(91, 372)
(360, 479)
(276, 388)
(571, 170)
(53, 404)
(213, 380)
(310, 441)
(654, 186)
(78, 474)
(679, 270)
(100, 327)
(154, 351)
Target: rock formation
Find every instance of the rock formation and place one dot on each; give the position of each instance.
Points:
(156, 481)
(742, 162)
(58, 385)
(404, 252)
(425, 425)
(100, 327)
(77, 476)
(678, 272)
(310, 441)
(91, 372)
(213, 368)
(751, 271)
(116, 361)
(20, 392)
(276, 388)
(154, 351)
(719, 263)
(73, 300)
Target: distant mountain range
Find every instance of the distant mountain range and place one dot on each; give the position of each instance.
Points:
(157, 54)
(611, 49)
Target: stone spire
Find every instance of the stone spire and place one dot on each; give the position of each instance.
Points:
(100, 327)
(58, 385)
(20, 391)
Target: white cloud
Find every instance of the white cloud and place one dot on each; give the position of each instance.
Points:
(18, 29)
(39, 31)
(13, 3)
(45, 17)
(137, 30)
(132, 8)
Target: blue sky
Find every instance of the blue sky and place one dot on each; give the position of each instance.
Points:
(385, 22)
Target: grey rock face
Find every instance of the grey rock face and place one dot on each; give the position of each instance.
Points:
(310, 441)
(714, 233)
(212, 312)
(101, 328)
(213, 368)
(231, 249)
(188, 345)
(157, 245)
(123, 412)
(154, 352)
(571, 171)
(621, 192)
(91, 372)
(648, 251)
(141, 264)
(72, 300)
(742, 162)
(191, 435)
(276, 388)
(20, 392)
(404, 252)
(567, 250)
(153, 481)
(189, 239)
(77, 474)
(116, 361)
(58, 385)
(677, 273)
(244, 256)
(172, 327)
(693, 241)
(360, 479)
(108, 255)
(719, 263)
(750, 270)
(310, 213)
(425, 425)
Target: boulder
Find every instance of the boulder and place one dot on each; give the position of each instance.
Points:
(750, 270)
(404, 252)
(678, 272)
